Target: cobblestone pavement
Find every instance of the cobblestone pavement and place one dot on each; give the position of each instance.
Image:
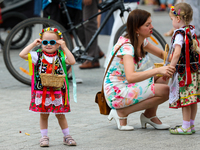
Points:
(91, 130)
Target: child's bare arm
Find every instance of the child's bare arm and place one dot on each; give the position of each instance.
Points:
(70, 58)
(176, 55)
(24, 53)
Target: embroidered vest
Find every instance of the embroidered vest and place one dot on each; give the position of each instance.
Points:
(40, 65)
(194, 56)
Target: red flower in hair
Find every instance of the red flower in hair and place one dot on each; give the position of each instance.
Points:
(42, 30)
(55, 30)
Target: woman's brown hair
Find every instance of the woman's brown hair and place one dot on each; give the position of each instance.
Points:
(135, 20)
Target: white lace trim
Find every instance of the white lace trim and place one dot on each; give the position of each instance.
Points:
(174, 89)
(48, 101)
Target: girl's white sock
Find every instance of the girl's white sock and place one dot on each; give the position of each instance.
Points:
(44, 132)
(65, 131)
(186, 124)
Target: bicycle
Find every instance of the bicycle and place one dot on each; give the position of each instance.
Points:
(18, 68)
(12, 15)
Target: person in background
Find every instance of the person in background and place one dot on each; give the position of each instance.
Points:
(52, 10)
(164, 5)
(132, 4)
(90, 8)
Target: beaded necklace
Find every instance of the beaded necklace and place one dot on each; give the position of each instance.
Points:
(50, 55)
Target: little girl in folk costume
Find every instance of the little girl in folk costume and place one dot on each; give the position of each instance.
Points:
(48, 100)
(185, 87)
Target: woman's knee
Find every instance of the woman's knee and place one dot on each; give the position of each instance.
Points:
(162, 90)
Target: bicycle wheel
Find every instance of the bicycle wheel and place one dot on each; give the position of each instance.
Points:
(10, 19)
(155, 39)
(16, 65)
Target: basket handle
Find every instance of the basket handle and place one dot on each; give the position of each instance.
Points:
(166, 50)
(53, 65)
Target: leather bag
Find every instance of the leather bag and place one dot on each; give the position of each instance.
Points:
(100, 98)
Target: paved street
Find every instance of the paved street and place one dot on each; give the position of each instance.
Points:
(91, 130)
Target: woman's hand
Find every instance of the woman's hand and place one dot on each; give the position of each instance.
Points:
(167, 71)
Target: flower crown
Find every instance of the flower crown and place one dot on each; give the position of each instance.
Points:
(174, 12)
(51, 29)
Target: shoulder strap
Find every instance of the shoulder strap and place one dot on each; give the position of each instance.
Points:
(111, 62)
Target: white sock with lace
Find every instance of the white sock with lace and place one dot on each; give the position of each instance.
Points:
(185, 125)
(65, 131)
(44, 132)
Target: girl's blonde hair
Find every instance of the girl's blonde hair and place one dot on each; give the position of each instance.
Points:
(185, 12)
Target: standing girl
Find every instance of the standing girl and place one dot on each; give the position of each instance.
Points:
(186, 80)
(49, 99)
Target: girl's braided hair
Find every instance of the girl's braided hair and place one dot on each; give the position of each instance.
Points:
(184, 11)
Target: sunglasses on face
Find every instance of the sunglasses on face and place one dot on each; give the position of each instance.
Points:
(51, 42)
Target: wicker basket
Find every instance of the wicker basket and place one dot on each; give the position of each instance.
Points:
(52, 80)
(157, 65)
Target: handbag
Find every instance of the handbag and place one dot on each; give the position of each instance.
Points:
(100, 98)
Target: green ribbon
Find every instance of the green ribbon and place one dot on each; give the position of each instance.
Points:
(74, 85)
(65, 70)
(66, 78)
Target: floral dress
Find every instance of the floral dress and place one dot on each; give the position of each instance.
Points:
(186, 94)
(118, 92)
(58, 103)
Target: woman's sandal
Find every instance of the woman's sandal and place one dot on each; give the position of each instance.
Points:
(183, 132)
(44, 142)
(67, 140)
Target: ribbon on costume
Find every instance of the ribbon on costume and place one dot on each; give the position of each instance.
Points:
(67, 98)
(49, 66)
(187, 56)
(1, 20)
(74, 85)
(66, 79)
(44, 95)
(30, 65)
